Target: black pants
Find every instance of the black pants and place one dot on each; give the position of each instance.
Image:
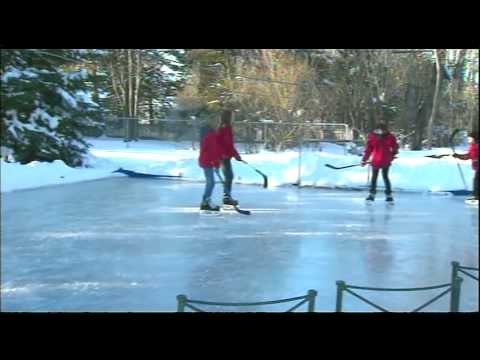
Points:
(386, 180)
(226, 165)
(475, 184)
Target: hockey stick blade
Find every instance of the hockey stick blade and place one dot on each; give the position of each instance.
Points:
(437, 156)
(143, 175)
(341, 167)
(240, 211)
(265, 178)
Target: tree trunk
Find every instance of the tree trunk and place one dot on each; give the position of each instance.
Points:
(411, 110)
(136, 91)
(459, 68)
(419, 126)
(131, 135)
(150, 108)
(95, 84)
(267, 62)
(435, 98)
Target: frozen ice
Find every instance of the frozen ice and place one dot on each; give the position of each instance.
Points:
(123, 244)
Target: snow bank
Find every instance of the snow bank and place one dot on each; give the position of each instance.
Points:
(15, 176)
(411, 171)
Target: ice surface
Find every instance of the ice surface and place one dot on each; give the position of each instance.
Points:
(125, 244)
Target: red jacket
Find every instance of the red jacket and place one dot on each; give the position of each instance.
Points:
(471, 154)
(209, 150)
(383, 148)
(225, 142)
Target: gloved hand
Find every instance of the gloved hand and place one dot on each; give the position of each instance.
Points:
(456, 156)
(363, 163)
(238, 158)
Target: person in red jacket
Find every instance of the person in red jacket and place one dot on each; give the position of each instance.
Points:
(209, 160)
(227, 148)
(383, 147)
(473, 155)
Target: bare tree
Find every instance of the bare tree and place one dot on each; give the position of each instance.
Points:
(438, 81)
(126, 75)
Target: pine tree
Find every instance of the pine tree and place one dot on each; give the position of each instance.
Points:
(45, 105)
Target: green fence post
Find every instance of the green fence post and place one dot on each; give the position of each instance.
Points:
(311, 300)
(455, 294)
(340, 287)
(455, 266)
(181, 301)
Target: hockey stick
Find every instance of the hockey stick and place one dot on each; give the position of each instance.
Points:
(437, 156)
(343, 167)
(240, 211)
(349, 166)
(452, 146)
(142, 175)
(265, 178)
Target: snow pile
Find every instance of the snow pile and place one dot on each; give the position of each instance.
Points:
(412, 171)
(35, 174)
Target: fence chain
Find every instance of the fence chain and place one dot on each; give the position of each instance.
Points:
(468, 274)
(398, 289)
(366, 300)
(194, 308)
(298, 305)
(432, 300)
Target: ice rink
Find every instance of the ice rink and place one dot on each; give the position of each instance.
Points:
(127, 244)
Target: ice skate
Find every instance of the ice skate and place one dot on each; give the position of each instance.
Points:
(206, 207)
(389, 199)
(229, 203)
(471, 201)
(370, 198)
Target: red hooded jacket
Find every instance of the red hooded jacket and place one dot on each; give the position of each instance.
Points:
(210, 152)
(471, 154)
(382, 148)
(225, 142)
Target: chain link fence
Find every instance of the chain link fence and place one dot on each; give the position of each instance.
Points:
(250, 136)
(253, 135)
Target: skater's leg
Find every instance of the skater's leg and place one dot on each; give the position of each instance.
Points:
(475, 185)
(227, 187)
(228, 176)
(209, 183)
(373, 184)
(386, 180)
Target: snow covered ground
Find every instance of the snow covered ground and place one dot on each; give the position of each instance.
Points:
(411, 171)
(123, 244)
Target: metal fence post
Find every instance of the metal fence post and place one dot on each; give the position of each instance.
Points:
(455, 294)
(181, 301)
(264, 136)
(300, 148)
(455, 266)
(340, 287)
(311, 300)
(125, 129)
